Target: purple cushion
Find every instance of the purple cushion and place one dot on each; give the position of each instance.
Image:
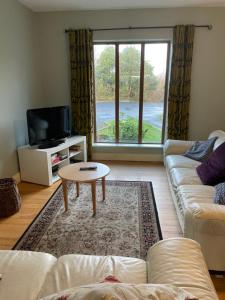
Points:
(212, 170)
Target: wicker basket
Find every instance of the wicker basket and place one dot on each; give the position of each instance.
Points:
(10, 200)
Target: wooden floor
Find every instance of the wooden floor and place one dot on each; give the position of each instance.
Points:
(34, 197)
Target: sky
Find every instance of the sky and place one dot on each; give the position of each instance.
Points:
(155, 54)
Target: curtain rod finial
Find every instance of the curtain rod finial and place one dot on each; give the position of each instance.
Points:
(210, 27)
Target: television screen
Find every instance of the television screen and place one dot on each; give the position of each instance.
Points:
(48, 124)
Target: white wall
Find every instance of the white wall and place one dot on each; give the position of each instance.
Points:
(34, 64)
(208, 78)
(19, 80)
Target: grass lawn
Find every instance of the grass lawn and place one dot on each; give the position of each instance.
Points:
(153, 134)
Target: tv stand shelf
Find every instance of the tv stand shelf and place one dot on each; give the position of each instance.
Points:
(50, 144)
(36, 165)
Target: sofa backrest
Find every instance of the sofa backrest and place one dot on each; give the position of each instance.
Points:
(221, 137)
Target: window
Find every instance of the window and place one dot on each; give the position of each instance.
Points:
(130, 87)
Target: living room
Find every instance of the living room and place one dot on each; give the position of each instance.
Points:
(35, 73)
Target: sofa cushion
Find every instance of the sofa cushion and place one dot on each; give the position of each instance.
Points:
(186, 195)
(212, 171)
(219, 197)
(23, 273)
(201, 149)
(75, 270)
(122, 291)
(184, 176)
(189, 194)
(180, 161)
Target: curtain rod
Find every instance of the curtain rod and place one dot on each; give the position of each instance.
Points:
(209, 27)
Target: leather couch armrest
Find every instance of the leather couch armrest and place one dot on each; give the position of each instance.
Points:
(205, 223)
(176, 147)
(179, 261)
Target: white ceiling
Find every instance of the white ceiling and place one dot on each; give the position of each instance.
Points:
(57, 5)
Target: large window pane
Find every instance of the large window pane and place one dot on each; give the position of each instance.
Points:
(129, 75)
(105, 92)
(130, 100)
(154, 87)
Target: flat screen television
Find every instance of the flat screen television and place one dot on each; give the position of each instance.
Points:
(47, 127)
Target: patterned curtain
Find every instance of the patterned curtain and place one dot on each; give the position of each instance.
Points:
(180, 82)
(82, 91)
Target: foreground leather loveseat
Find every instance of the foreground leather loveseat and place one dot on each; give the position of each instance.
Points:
(200, 218)
(30, 275)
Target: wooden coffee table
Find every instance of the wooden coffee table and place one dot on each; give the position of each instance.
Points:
(73, 173)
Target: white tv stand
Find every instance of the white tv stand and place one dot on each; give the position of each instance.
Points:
(36, 164)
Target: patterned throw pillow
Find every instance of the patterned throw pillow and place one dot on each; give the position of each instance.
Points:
(220, 193)
(111, 279)
(201, 150)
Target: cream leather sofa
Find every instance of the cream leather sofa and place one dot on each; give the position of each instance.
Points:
(199, 217)
(32, 275)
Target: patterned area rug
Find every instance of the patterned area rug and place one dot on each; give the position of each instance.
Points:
(125, 224)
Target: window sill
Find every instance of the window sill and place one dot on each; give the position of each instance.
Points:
(126, 146)
(128, 152)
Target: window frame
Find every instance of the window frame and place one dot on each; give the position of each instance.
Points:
(141, 90)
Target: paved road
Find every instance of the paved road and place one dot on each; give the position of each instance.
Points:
(152, 112)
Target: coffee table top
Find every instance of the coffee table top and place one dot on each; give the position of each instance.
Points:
(73, 173)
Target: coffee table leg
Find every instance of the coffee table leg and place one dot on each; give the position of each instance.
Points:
(93, 190)
(78, 189)
(103, 188)
(65, 194)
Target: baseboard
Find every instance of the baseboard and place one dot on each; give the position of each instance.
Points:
(128, 157)
(17, 177)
